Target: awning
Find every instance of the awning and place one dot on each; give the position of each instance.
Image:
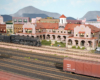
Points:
(83, 32)
(28, 28)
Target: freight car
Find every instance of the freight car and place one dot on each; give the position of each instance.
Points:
(20, 40)
(85, 67)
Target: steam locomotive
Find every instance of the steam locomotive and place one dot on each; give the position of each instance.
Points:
(20, 40)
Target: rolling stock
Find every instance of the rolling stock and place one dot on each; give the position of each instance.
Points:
(85, 67)
(20, 40)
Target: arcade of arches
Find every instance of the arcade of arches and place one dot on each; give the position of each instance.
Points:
(52, 37)
(82, 43)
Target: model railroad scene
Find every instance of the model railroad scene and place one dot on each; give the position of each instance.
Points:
(54, 43)
(32, 62)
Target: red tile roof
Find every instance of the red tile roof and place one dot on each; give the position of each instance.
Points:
(28, 28)
(62, 16)
(71, 26)
(81, 32)
(47, 26)
(93, 28)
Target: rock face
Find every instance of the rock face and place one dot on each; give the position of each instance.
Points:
(32, 10)
(91, 15)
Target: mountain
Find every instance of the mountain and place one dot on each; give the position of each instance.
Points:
(91, 15)
(6, 18)
(33, 10)
(70, 18)
(35, 15)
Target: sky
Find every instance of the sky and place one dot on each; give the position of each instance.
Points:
(70, 8)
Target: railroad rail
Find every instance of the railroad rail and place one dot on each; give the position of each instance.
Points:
(20, 64)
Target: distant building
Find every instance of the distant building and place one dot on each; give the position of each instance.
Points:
(20, 20)
(2, 28)
(1, 20)
(95, 23)
(18, 28)
(9, 27)
(34, 20)
(28, 30)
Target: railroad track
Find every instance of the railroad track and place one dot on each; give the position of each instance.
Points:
(8, 62)
(32, 78)
(73, 55)
(56, 51)
(25, 55)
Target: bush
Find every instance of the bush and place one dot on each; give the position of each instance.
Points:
(74, 47)
(83, 47)
(44, 42)
(78, 47)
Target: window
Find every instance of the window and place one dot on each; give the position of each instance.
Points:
(62, 21)
(76, 34)
(69, 32)
(20, 20)
(87, 35)
(25, 20)
(15, 20)
(61, 31)
(81, 35)
(64, 31)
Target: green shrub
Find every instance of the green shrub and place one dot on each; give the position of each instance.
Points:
(78, 47)
(74, 47)
(83, 48)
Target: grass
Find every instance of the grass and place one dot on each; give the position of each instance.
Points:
(92, 51)
(27, 57)
(36, 59)
(44, 42)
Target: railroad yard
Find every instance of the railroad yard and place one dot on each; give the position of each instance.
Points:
(41, 63)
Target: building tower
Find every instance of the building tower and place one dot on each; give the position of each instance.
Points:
(63, 20)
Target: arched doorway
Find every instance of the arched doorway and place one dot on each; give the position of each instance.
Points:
(40, 36)
(69, 42)
(59, 37)
(48, 36)
(82, 43)
(97, 43)
(43, 36)
(53, 37)
(76, 42)
(90, 43)
(64, 38)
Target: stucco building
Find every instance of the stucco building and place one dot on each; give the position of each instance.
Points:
(18, 28)
(1, 19)
(2, 28)
(9, 27)
(81, 35)
(20, 20)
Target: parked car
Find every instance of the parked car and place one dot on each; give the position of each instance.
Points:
(98, 49)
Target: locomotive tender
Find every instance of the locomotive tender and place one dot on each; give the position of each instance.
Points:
(20, 40)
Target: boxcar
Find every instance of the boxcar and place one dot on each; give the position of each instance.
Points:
(85, 67)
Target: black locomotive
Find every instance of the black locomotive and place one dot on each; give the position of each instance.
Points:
(20, 40)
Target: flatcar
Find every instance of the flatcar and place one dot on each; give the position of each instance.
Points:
(20, 40)
(85, 67)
